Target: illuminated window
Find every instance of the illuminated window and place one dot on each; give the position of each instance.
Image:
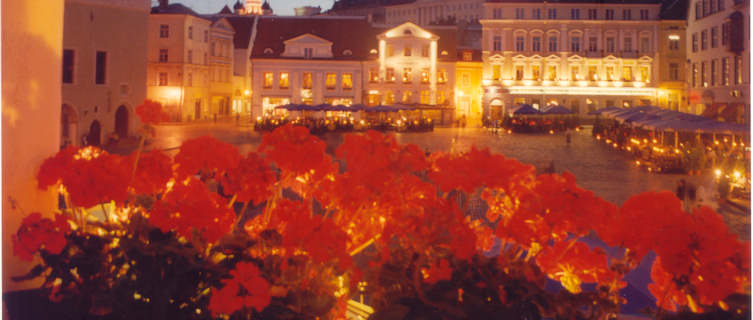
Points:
(592, 73)
(519, 72)
(390, 50)
(496, 71)
(407, 77)
(407, 96)
(164, 31)
(163, 78)
(627, 73)
(465, 79)
(574, 70)
(390, 75)
(407, 51)
(552, 72)
(441, 97)
(284, 80)
(610, 72)
(331, 81)
(536, 72)
(425, 75)
(694, 76)
(307, 80)
(442, 76)
(373, 75)
(713, 71)
(425, 97)
(269, 80)
(347, 81)
(162, 55)
(644, 74)
(389, 97)
(725, 72)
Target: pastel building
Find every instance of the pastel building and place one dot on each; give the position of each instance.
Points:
(190, 62)
(718, 52)
(582, 54)
(426, 12)
(310, 60)
(104, 69)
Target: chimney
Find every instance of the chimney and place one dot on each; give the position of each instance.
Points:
(163, 4)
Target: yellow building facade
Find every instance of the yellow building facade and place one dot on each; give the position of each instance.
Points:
(468, 89)
(585, 56)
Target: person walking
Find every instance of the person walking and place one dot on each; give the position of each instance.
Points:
(680, 191)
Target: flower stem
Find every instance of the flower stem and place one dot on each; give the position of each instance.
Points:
(138, 155)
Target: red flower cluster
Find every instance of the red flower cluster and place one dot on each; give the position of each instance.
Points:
(439, 272)
(251, 180)
(295, 150)
(53, 168)
(150, 112)
(90, 175)
(245, 278)
(478, 168)
(206, 156)
(38, 233)
(573, 263)
(153, 171)
(188, 206)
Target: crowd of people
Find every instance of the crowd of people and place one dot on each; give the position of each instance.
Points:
(341, 124)
(533, 124)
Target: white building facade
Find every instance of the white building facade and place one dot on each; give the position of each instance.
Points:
(718, 51)
(584, 55)
(312, 61)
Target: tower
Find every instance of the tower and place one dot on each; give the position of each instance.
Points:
(253, 7)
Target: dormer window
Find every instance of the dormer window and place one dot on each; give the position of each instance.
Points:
(268, 51)
(444, 52)
(347, 52)
(373, 51)
(308, 53)
(408, 32)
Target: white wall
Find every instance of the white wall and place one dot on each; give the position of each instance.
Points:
(32, 38)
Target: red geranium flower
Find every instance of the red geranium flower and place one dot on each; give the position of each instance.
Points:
(150, 112)
(572, 264)
(206, 155)
(295, 150)
(251, 180)
(53, 168)
(37, 233)
(190, 205)
(153, 171)
(245, 276)
(93, 176)
(439, 272)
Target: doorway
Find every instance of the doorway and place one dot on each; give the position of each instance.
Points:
(121, 122)
(95, 134)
